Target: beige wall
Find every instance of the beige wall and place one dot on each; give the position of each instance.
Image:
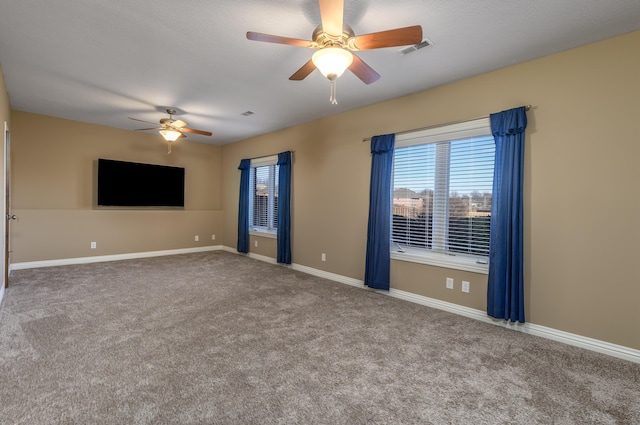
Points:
(53, 192)
(581, 198)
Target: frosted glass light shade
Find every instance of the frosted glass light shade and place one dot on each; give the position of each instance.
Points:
(170, 135)
(332, 61)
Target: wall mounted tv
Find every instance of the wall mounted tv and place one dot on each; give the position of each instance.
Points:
(131, 184)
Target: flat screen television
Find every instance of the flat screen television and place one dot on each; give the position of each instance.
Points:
(132, 184)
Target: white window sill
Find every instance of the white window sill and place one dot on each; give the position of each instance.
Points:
(457, 262)
(264, 233)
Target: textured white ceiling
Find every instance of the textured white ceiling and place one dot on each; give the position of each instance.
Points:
(102, 61)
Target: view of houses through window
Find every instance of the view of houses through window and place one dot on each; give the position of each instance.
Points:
(442, 195)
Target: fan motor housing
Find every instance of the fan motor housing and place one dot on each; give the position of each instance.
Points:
(322, 39)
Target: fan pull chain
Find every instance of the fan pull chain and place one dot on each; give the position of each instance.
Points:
(332, 98)
(169, 151)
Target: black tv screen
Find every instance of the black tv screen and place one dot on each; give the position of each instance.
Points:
(131, 184)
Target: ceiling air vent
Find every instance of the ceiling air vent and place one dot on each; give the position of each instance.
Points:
(426, 42)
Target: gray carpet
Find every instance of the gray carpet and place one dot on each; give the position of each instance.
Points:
(217, 338)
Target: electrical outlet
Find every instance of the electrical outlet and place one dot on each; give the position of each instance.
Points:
(196, 238)
(465, 286)
(449, 283)
(324, 257)
(255, 243)
(93, 245)
(213, 237)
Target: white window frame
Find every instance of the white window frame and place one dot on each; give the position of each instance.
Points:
(270, 232)
(468, 129)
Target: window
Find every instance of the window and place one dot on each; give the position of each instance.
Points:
(442, 192)
(263, 202)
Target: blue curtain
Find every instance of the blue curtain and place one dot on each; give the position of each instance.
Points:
(284, 208)
(243, 206)
(505, 292)
(376, 274)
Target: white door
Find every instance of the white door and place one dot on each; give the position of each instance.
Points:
(4, 237)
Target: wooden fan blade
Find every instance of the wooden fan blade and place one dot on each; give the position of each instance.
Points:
(391, 38)
(303, 72)
(257, 36)
(153, 128)
(363, 71)
(179, 124)
(191, 130)
(136, 119)
(331, 13)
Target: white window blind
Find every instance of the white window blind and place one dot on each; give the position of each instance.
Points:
(263, 202)
(442, 184)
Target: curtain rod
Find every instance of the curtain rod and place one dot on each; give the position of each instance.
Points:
(368, 139)
(273, 154)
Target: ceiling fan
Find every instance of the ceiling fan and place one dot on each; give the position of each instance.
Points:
(335, 41)
(171, 129)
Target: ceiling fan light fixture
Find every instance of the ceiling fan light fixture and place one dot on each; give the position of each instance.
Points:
(170, 135)
(332, 61)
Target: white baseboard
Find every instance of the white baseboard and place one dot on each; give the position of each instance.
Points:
(587, 343)
(1, 293)
(103, 258)
(603, 347)
(301, 268)
(328, 275)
